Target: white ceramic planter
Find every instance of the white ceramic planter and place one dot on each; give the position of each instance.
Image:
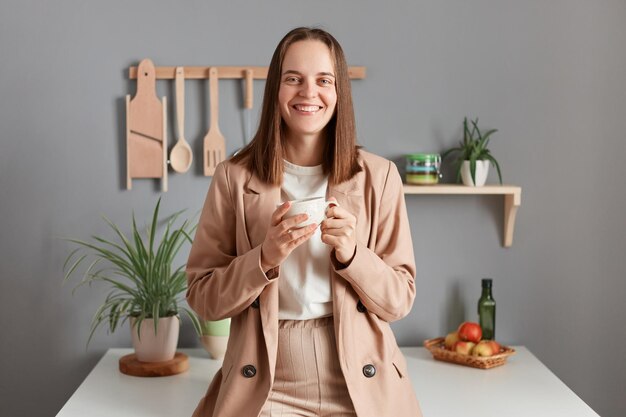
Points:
(482, 170)
(215, 345)
(159, 347)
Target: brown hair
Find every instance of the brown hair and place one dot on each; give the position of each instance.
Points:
(264, 154)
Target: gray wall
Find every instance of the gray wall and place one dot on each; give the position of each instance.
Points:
(548, 74)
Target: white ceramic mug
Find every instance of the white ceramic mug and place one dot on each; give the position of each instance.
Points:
(315, 207)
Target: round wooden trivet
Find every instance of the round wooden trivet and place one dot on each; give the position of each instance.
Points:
(129, 365)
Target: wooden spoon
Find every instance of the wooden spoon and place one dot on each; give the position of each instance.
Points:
(181, 154)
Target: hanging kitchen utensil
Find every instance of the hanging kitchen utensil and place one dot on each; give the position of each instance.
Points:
(214, 143)
(248, 95)
(181, 154)
(146, 129)
(247, 105)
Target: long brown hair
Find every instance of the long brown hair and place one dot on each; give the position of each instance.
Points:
(264, 154)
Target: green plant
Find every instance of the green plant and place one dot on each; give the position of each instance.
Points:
(144, 283)
(473, 148)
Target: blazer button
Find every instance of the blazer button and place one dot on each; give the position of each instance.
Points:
(248, 371)
(256, 303)
(369, 370)
(360, 307)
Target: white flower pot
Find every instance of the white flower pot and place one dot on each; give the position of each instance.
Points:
(159, 347)
(482, 170)
(215, 345)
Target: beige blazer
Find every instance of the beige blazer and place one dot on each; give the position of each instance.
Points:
(225, 280)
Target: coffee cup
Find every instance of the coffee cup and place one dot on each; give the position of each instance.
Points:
(314, 207)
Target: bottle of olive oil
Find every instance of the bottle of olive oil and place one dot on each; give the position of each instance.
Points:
(487, 311)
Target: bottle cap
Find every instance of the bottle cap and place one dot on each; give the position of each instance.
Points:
(486, 282)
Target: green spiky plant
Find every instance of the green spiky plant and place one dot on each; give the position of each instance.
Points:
(143, 281)
(473, 148)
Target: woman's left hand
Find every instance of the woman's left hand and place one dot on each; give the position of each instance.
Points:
(339, 231)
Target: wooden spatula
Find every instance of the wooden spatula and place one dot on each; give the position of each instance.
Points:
(214, 143)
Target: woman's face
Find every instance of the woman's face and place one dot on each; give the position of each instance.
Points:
(307, 96)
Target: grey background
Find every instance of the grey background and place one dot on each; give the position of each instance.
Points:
(548, 74)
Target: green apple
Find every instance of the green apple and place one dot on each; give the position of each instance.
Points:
(451, 339)
(483, 348)
(464, 348)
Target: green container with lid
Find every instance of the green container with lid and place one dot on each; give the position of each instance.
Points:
(423, 168)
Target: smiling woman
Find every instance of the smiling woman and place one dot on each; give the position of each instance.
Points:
(310, 306)
(265, 153)
(307, 99)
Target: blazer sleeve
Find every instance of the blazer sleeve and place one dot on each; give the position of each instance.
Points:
(220, 283)
(384, 276)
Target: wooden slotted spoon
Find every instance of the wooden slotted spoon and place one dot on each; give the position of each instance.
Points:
(181, 154)
(214, 143)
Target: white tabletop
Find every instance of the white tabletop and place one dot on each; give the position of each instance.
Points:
(522, 387)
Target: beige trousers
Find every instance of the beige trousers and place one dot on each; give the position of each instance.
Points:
(308, 381)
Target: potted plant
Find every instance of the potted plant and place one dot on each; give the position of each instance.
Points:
(145, 287)
(472, 162)
(214, 336)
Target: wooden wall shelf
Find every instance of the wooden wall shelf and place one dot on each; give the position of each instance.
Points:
(512, 200)
(199, 73)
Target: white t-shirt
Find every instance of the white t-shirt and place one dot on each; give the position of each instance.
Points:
(304, 284)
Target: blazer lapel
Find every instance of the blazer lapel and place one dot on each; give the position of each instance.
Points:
(349, 193)
(259, 203)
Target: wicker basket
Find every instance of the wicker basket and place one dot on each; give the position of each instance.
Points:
(439, 352)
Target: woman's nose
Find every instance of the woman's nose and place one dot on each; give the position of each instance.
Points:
(309, 89)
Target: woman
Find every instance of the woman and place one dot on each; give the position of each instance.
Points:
(310, 306)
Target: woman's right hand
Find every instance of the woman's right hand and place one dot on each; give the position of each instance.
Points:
(283, 237)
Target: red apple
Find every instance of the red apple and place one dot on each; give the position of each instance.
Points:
(451, 339)
(470, 332)
(484, 348)
(495, 346)
(464, 347)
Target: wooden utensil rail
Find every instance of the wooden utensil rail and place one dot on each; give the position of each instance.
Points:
(146, 117)
(199, 73)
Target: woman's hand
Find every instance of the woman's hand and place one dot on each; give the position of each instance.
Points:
(338, 230)
(283, 237)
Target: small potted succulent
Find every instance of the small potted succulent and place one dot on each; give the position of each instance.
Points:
(145, 287)
(473, 155)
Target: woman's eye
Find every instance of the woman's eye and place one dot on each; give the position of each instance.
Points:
(291, 79)
(326, 81)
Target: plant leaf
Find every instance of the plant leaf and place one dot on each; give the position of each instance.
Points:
(73, 267)
(495, 163)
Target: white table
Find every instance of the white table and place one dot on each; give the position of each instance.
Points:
(522, 387)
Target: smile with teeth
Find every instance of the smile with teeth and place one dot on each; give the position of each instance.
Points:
(307, 108)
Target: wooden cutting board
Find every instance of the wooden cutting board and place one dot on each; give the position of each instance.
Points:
(129, 365)
(146, 129)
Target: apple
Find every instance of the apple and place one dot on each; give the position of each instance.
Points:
(451, 339)
(464, 347)
(470, 332)
(495, 346)
(484, 348)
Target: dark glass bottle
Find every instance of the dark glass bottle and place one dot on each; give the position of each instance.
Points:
(487, 311)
